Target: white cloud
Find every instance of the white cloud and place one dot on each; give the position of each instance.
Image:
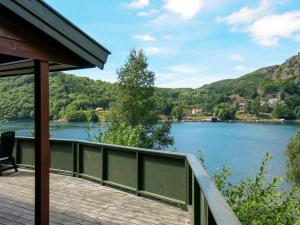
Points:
(269, 29)
(246, 14)
(184, 75)
(164, 20)
(144, 37)
(138, 4)
(167, 37)
(240, 68)
(152, 12)
(263, 26)
(236, 57)
(153, 51)
(173, 80)
(174, 13)
(186, 69)
(187, 9)
(159, 50)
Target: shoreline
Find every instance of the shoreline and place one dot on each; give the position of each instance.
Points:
(266, 121)
(186, 120)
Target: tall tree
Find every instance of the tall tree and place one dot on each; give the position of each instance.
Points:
(135, 103)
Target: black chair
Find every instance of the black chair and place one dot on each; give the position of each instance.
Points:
(6, 149)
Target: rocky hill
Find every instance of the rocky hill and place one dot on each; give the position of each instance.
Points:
(253, 84)
(289, 69)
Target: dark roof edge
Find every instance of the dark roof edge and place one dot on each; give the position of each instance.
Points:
(74, 26)
(42, 16)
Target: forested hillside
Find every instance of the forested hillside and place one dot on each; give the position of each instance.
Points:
(273, 90)
(70, 96)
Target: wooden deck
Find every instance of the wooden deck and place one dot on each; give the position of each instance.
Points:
(76, 201)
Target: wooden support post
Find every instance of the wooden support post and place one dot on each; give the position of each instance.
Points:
(42, 144)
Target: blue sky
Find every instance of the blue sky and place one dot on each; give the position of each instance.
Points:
(189, 43)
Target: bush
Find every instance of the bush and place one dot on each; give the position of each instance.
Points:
(225, 111)
(91, 116)
(75, 116)
(297, 112)
(281, 111)
(292, 153)
(177, 112)
(255, 202)
(124, 135)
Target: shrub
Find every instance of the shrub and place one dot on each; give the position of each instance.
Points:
(255, 202)
(292, 153)
(282, 111)
(225, 111)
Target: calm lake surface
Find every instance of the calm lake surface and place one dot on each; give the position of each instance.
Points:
(241, 146)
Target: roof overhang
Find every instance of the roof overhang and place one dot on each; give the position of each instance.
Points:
(35, 22)
(26, 66)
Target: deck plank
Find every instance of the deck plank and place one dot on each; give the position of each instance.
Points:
(75, 201)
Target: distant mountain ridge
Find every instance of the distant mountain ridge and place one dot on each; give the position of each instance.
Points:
(289, 70)
(71, 96)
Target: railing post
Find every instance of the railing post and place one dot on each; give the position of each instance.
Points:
(17, 152)
(196, 202)
(75, 159)
(203, 210)
(211, 219)
(138, 173)
(104, 161)
(188, 178)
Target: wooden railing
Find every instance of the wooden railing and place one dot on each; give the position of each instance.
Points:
(174, 178)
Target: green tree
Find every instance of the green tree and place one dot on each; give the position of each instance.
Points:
(73, 114)
(177, 112)
(225, 111)
(123, 135)
(282, 111)
(165, 107)
(292, 101)
(292, 153)
(135, 103)
(255, 106)
(160, 137)
(297, 112)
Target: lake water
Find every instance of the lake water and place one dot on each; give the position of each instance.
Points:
(241, 146)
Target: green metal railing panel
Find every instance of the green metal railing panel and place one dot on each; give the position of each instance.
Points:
(25, 152)
(172, 177)
(61, 156)
(164, 176)
(121, 167)
(90, 160)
